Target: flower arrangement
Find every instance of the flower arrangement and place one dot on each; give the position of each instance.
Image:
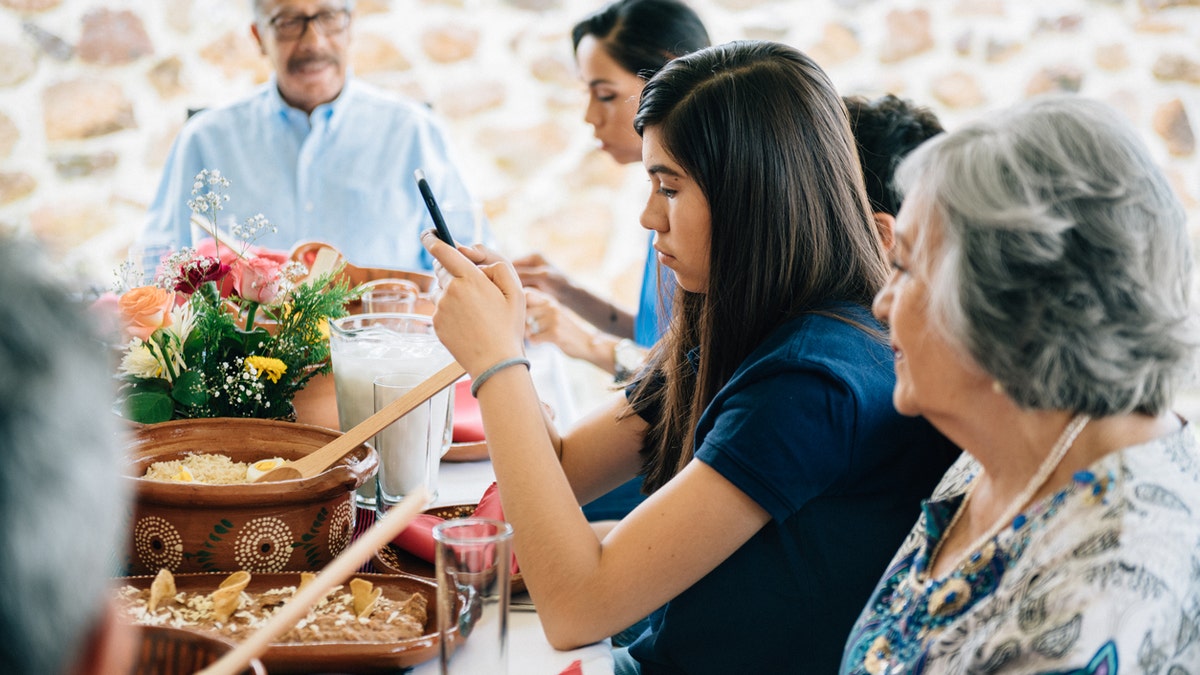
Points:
(225, 330)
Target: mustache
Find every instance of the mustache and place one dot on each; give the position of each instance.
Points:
(302, 61)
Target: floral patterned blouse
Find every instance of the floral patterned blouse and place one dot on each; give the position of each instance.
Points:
(1101, 577)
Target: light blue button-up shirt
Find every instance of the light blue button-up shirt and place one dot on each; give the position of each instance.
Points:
(342, 175)
(655, 300)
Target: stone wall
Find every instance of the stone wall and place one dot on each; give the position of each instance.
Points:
(92, 93)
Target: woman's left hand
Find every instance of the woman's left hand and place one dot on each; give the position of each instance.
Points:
(480, 316)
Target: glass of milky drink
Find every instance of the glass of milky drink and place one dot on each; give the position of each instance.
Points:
(366, 346)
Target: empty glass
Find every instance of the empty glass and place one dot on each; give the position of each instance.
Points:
(474, 560)
(391, 296)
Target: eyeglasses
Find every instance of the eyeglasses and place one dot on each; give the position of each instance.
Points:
(292, 26)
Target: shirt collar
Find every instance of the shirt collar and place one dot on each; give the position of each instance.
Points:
(331, 112)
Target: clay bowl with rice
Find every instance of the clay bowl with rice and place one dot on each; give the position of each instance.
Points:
(186, 525)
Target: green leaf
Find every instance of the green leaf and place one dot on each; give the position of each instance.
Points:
(141, 384)
(149, 407)
(189, 389)
(211, 294)
(250, 339)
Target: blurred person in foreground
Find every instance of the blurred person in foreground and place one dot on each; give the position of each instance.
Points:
(886, 129)
(1042, 317)
(321, 154)
(617, 48)
(782, 479)
(62, 500)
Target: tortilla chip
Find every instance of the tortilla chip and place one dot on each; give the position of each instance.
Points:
(306, 578)
(416, 607)
(364, 597)
(240, 579)
(162, 588)
(228, 597)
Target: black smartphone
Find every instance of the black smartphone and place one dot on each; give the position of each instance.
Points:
(443, 232)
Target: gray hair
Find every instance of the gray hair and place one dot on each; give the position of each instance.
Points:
(256, 7)
(62, 501)
(1065, 268)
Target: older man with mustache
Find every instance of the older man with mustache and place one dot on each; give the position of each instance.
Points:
(322, 155)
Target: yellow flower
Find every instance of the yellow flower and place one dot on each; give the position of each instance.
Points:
(274, 368)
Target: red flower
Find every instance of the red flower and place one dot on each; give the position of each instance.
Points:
(196, 271)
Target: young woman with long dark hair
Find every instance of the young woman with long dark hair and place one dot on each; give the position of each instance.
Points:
(783, 478)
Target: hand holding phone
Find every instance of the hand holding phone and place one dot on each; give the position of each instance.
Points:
(443, 232)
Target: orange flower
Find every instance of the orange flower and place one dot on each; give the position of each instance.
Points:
(146, 309)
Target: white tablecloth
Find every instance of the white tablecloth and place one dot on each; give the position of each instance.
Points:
(529, 653)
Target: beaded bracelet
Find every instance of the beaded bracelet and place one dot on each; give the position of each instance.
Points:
(483, 377)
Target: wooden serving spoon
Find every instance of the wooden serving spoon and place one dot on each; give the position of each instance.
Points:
(323, 458)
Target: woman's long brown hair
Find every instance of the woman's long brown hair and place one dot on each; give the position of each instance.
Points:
(762, 131)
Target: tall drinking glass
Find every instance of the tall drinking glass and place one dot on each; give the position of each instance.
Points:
(410, 449)
(365, 346)
(474, 560)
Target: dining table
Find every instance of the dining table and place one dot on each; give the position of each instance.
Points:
(463, 483)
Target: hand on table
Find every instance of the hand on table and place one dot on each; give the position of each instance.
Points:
(537, 272)
(480, 315)
(547, 320)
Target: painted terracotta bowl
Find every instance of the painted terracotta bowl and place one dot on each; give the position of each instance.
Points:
(338, 655)
(292, 525)
(163, 650)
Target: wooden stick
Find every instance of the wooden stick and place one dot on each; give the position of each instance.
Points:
(336, 572)
(326, 456)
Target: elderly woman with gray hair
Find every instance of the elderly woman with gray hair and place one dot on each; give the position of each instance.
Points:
(1042, 318)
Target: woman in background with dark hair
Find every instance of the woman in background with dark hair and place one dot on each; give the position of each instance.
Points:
(617, 48)
(782, 476)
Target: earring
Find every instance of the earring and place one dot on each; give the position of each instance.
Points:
(997, 387)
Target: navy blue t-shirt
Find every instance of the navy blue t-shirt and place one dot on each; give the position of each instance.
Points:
(806, 428)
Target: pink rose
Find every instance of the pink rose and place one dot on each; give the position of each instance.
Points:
(228, 256)
(256, 279)
(105, 311)
(146, 309)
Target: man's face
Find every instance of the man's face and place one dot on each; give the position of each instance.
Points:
(307, 43)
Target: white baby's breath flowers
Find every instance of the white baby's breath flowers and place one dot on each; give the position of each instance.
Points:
(127, 275)
(253, 228)
(213, 200)
(172, 267)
